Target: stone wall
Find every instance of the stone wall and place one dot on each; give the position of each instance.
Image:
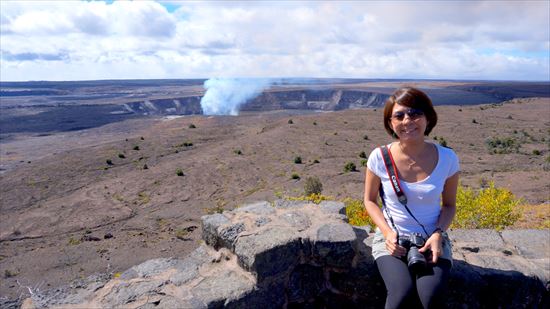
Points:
(300, 255)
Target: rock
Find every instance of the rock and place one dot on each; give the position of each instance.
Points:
(149, 268)
(333, 207)
(188, 269)
(228, 234)
(218, 290)
(305, 282)
(210, 225)
(79, 291)
(90, 238)
(11, 303)
(269, 252)
(532, 244)
(297, 220)
(482, 239)
(334, 245)
(260, 208)
(270, 295)
(288, 204)
(261, 221)
(301, 255)
(128, 292)
(170, 302)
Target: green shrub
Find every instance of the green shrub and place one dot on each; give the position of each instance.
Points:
(121, 155)
(179, 172)
(10, 273)
(295, 176)
(187, 144)
(441, 140)
(145, 167)
(536, 152)
(315, 161)
(237, 152)
(136, 147)
(315, 123)
(364, 162)
(313, 185)
(290, 121)
(490, 207)
(109, 162)
(503, 145)
(298, 160)
(366, 137)
(74, 241)
(350, 167)
(362, 155)
(192, 126)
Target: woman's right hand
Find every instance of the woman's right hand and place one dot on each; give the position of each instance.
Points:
(393, 247)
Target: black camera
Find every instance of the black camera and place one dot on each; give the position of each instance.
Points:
(415, 260)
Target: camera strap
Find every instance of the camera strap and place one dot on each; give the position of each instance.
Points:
(396, 184)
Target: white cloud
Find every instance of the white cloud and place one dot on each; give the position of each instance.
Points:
(142, 39)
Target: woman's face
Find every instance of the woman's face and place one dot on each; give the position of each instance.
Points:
(408, 123)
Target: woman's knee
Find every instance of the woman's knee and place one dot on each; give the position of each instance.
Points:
(400, 296)
(432, 288)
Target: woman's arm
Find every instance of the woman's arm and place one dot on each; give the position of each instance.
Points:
(448, 210)
(372, 187)
(448, 207)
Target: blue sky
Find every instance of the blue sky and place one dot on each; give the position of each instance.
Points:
(84, 40)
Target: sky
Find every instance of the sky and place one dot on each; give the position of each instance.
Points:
(90, 40)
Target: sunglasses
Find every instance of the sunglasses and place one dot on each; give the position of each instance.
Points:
(413, 114)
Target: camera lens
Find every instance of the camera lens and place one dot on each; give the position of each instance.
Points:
(416, 260)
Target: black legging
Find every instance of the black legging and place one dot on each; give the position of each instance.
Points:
(430, 285)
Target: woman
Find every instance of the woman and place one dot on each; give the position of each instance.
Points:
(428, 175)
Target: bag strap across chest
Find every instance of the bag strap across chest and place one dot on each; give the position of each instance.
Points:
(396, 184)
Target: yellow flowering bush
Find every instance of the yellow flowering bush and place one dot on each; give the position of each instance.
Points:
(357, 214)
(315, 198)
(490, 207)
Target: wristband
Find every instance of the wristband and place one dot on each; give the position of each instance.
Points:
(437, 230)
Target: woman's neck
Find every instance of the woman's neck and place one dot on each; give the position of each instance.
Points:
(412, 149)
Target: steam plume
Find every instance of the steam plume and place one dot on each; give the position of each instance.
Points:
(224, 96)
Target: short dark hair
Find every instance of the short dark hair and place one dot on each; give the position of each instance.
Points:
(413, 98)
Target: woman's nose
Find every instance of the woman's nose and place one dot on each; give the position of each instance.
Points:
(407, 118)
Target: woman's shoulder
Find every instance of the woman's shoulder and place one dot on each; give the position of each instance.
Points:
(446, 151)
(449, 159)
(376, 154)
(375, 162)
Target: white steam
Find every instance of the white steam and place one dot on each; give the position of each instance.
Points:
(224, 96)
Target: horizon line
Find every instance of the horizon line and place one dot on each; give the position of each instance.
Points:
(279, 78)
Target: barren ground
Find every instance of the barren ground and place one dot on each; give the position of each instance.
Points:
(62, 198)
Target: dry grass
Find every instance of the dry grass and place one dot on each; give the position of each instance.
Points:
(533, 217)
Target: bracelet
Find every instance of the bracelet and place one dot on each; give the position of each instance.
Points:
(437, 230)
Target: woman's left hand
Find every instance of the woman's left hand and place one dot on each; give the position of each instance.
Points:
(435, 245)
